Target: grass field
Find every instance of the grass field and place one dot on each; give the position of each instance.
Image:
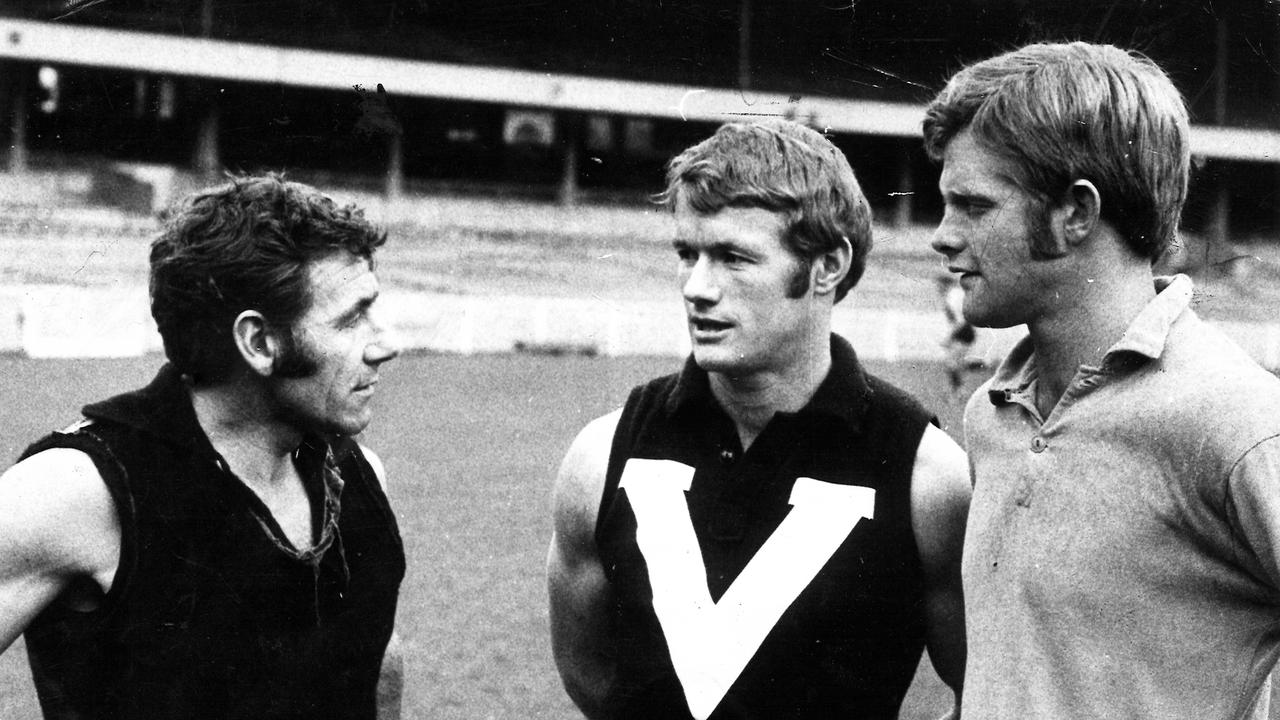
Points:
(471, 445)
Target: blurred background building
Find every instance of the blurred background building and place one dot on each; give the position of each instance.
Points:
(126, 102)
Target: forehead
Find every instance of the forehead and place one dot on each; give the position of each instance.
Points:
(970, 168)
(738, 226)
(338, 281)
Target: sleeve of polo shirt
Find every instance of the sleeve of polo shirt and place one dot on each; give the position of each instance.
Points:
(1254, 505)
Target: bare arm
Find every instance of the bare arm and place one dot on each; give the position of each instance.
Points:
(940, 492)
(581, 636)
(57, 522)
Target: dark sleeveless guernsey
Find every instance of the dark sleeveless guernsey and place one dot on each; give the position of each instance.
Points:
(212, 612)
(849, 640)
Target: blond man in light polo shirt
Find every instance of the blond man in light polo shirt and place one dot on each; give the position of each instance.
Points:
(1122, 557)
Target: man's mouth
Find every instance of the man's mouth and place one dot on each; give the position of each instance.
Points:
(708, 325)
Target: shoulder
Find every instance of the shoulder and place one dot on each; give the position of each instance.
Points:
(888, 390)
(940, 494)
(580, 482)
(1205, 360)
(56, 472)
(1214, 394)
(652, 394)
(59, 512)
(893, 420)
(658, 385)
(888, 395)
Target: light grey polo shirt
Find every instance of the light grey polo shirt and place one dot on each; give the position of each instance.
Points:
(1122, 557)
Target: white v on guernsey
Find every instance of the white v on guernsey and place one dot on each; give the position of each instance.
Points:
(712, 642)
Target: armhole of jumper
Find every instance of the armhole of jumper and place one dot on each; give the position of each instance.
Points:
(918, 420)
(619, 450)
(116, 479)
(911, 421)
(369, 483)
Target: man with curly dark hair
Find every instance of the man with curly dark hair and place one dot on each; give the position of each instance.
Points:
(216, 545)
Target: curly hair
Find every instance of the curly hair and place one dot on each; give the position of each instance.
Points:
(1065, 112)
(785, 167)
(245, 245)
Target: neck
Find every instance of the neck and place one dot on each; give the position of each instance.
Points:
(241, 427)
(752, 399)
(1094, 308)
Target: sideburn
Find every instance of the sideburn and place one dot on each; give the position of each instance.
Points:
(293, 362)
(1042, 242)
(798, 283)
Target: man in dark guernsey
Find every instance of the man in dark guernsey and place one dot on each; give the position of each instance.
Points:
(771, 532)
(216, 545)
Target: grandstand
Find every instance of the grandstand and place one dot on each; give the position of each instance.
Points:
(493, 123)
(555, 99)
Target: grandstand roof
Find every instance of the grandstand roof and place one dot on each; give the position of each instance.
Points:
(882, 50)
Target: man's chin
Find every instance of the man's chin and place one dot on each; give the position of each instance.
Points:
(991, 321)
(991, 315)
(326, 426)
(348, 427)
(714, 360)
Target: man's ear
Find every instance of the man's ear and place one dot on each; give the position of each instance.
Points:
(1079, 213)
(831, 267)
(256, 341)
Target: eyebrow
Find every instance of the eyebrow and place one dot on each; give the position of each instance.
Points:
(966, 195)
(359, 307)
(718, 246)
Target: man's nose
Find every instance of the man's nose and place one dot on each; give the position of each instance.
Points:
(385, 345)
(700, 284)
(945, 240)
